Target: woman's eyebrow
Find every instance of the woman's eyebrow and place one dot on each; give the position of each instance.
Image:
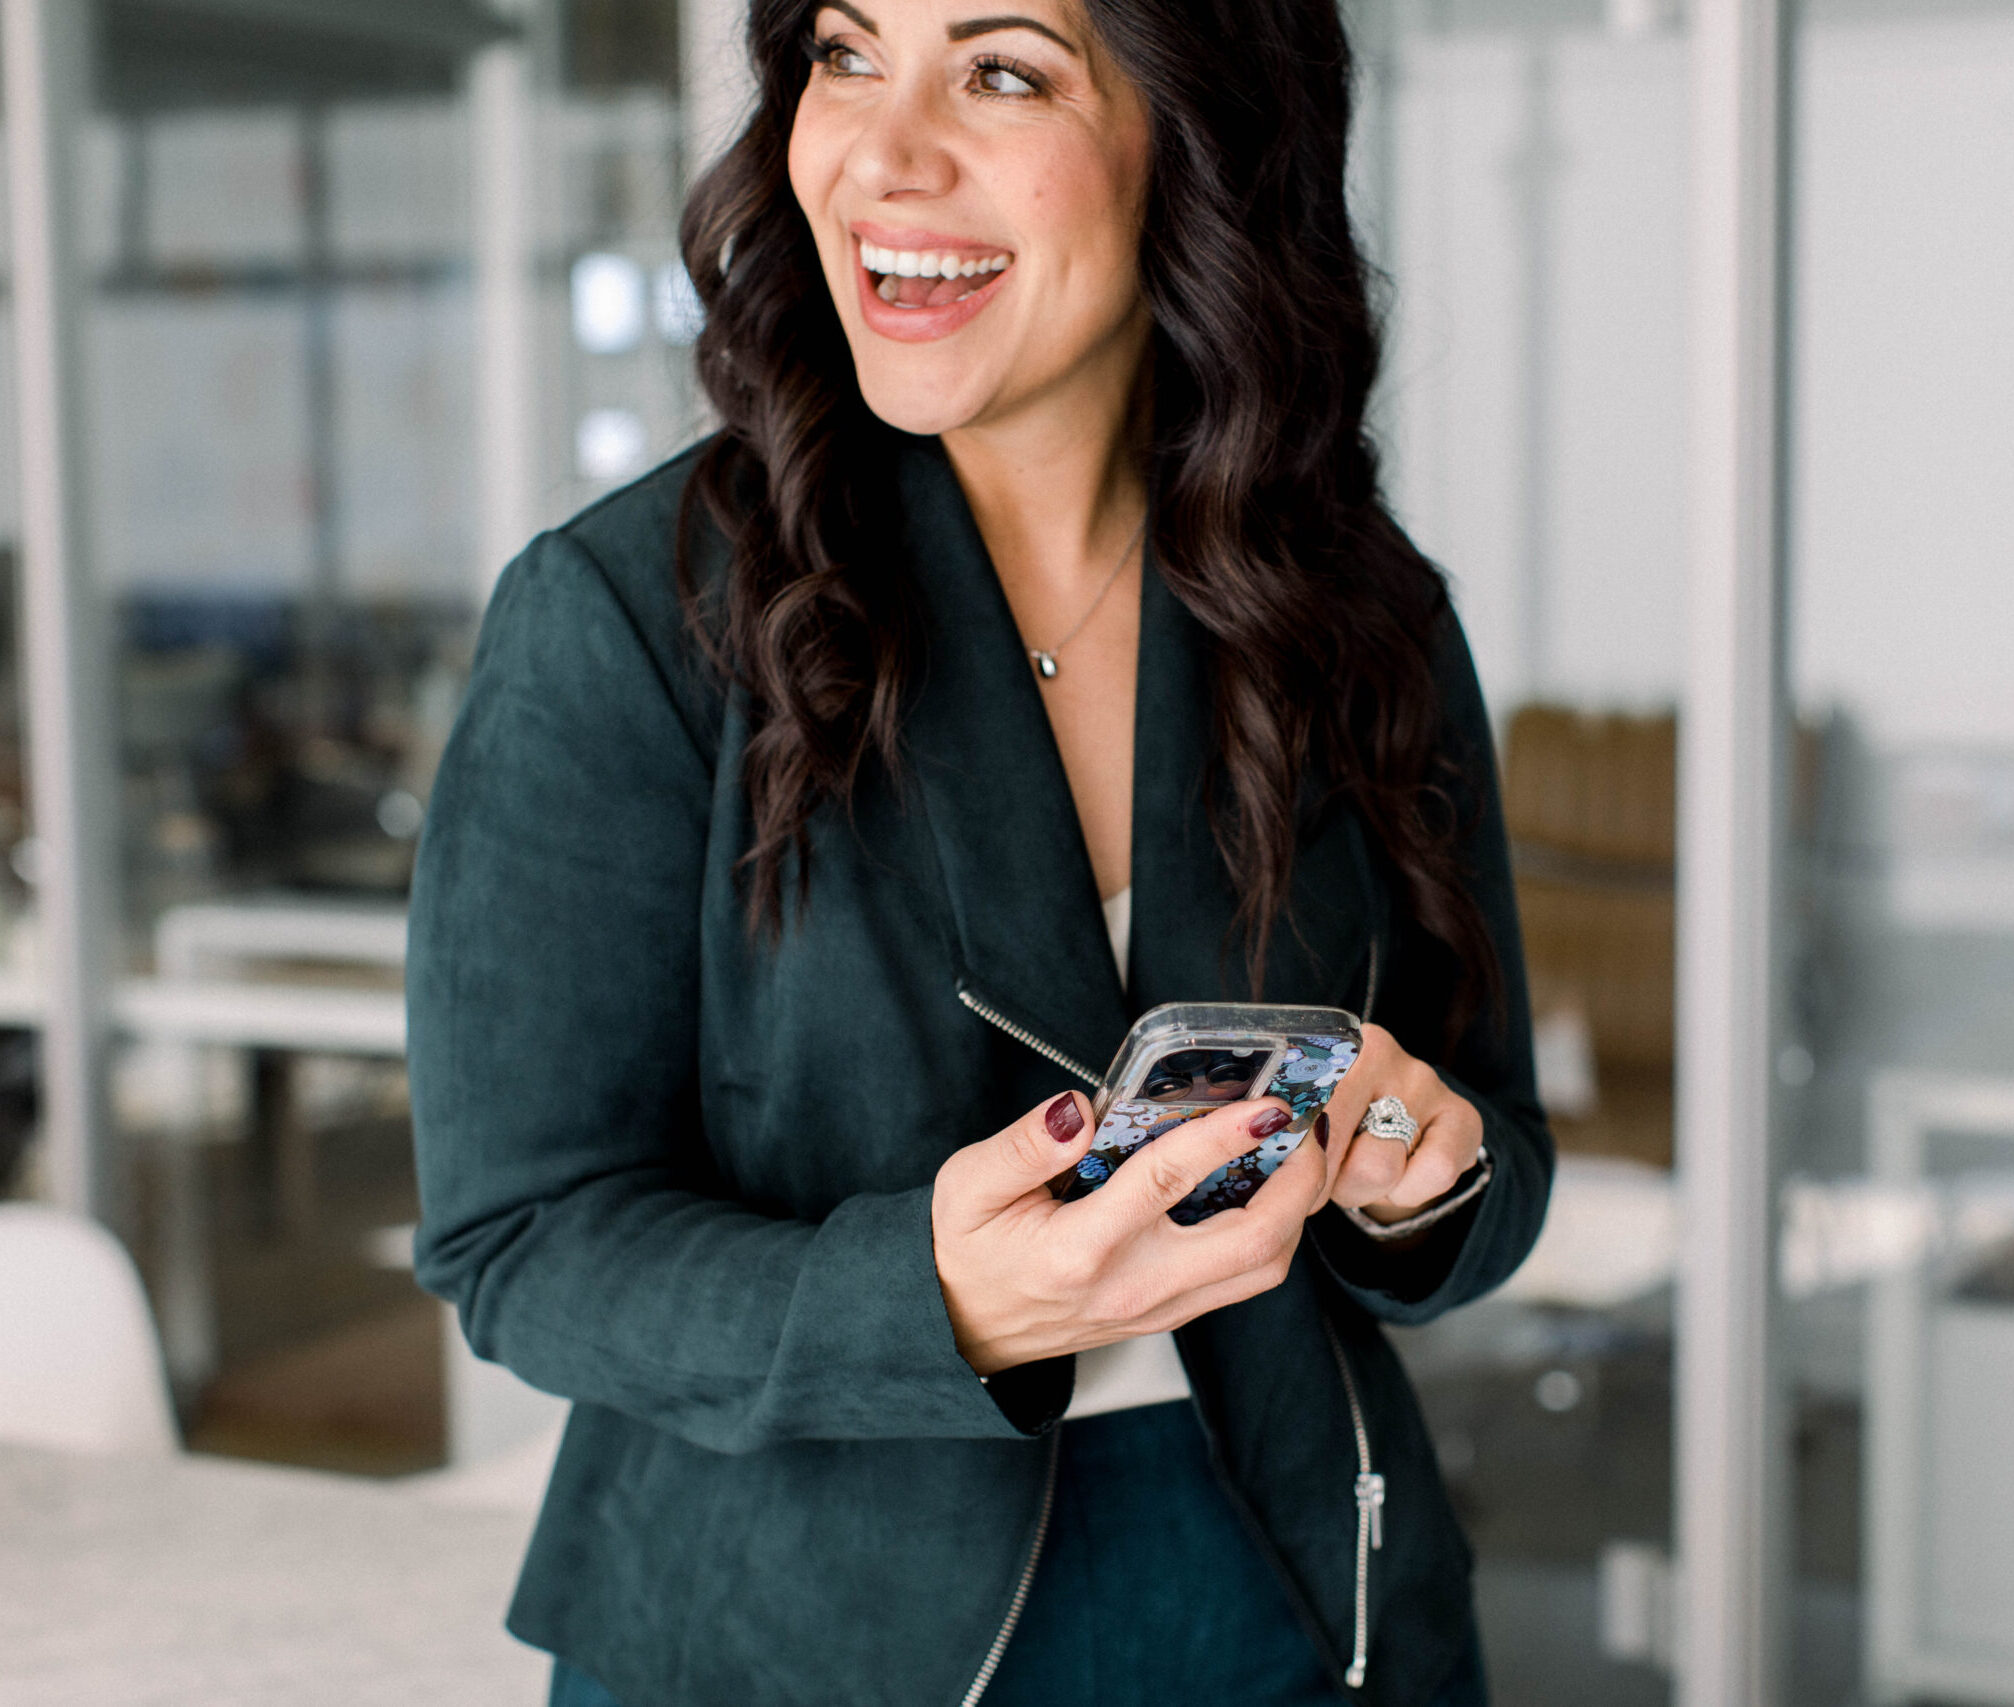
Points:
(853, 12)
(986, 26)
(968, 29)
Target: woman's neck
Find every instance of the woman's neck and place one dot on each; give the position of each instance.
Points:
(1057, 487)
(1058, 495)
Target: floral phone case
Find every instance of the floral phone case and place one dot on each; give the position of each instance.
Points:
(1184, 1059)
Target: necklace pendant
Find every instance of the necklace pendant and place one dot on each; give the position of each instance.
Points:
(1045, 662)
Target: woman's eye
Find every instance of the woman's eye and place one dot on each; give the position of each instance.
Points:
(997, 77)
(839, 60)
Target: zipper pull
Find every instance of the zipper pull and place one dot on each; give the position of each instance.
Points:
(1371, 1505)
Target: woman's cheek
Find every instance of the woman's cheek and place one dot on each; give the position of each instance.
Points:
(813, 159)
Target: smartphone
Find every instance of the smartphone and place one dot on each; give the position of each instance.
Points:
(1184, 1059)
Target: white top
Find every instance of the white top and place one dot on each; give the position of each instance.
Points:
(1148, 1370)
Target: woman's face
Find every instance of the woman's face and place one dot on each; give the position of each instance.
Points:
(974, 173)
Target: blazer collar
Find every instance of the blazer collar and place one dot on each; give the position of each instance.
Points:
(1030, 932)
(1031, 936)
(1186, 943)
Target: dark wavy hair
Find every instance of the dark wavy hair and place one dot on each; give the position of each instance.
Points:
(1322, 617)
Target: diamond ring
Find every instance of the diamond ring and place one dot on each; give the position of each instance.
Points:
(1387, 1118)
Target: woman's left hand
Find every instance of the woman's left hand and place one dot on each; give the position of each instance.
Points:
(1381, 1176)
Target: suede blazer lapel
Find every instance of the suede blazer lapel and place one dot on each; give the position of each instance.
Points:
(1186, 947)
(1030, 934)
(1031, 939)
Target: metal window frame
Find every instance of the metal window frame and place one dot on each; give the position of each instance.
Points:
(1731, 1468)
(45, 47)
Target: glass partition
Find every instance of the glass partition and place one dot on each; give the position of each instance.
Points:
(1526, 184)
(285, 344)
(1896, 1071)
(19, 1166)
(618, 313)
(281, 494)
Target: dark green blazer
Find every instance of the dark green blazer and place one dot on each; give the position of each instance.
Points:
(683, 1177)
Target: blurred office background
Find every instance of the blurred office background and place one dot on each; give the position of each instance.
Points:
(362, 292)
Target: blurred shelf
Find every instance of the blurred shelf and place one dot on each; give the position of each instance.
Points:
(311, 1018)
(166, 54)
(279, 927)
(308, 1017)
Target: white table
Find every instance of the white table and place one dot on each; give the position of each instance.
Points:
(1939, 1501)
(202, 1582)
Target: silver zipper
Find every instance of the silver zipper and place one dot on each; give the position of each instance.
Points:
(1370, 1513)
(1021, 1034)
(991, 1664)
(1370, 1486)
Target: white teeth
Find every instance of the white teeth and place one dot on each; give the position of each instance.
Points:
(918, 263)
(887, 289)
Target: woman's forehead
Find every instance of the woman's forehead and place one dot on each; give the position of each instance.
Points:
(965, 20)
(1066, 24)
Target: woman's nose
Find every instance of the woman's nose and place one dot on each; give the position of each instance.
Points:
(903, 150)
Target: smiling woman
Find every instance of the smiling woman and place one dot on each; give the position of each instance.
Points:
(1029, 648)
(1035, 145)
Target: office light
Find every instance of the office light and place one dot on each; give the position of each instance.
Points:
(608, 304)
(610, 444)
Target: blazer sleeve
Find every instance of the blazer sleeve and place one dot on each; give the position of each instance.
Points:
(570, 1206)
(1479, 1247)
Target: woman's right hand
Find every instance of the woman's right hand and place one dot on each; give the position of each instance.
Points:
(1026, 1277)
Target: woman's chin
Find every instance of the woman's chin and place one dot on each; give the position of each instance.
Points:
(927, 406)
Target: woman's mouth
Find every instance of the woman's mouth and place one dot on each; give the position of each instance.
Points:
(929, 278)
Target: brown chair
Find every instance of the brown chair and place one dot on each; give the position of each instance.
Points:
(1591, 803)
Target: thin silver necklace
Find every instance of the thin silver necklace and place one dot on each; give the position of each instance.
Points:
(1044, 657)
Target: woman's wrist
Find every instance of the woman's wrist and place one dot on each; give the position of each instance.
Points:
(1389, 1224)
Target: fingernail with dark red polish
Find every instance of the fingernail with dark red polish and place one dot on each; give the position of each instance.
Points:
(1270, 1122)
(1322, 1129)
(1063, 1118)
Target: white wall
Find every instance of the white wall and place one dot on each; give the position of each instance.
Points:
(1559, 479)
(199, 402)
(404, 442)
(199, 439)
(1904, 494)
(399, 180)
(199, 446)
(1451, 393)
(224, 187)
(1537, 360)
